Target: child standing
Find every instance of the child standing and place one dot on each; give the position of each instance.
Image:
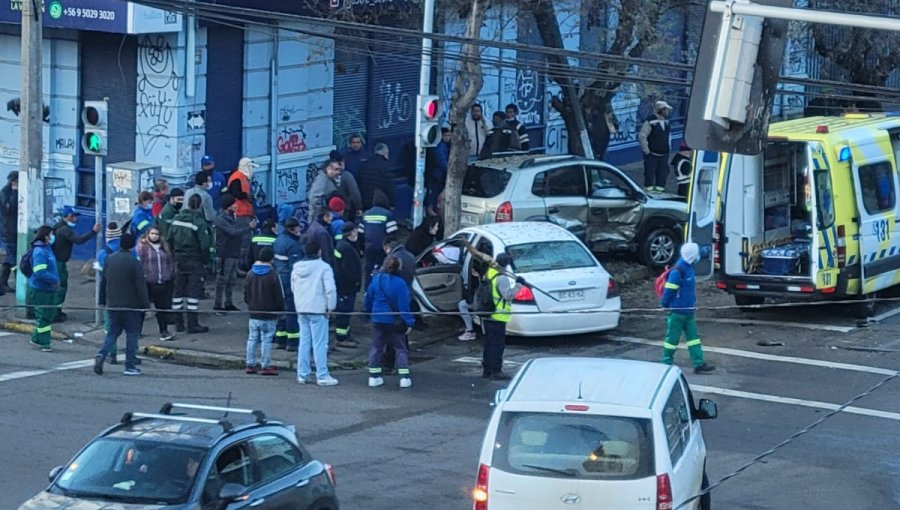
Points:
(264, 297)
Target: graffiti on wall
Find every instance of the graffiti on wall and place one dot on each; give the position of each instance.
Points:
(64, 144)
(398, 104)
(557, 138)
(287, 185)
(258, 190)
(529, 91)
(158, 86)
(189, 154)
(347, 122)
(291, 139)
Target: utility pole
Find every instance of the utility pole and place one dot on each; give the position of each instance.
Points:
(31, 144)
(424, 90)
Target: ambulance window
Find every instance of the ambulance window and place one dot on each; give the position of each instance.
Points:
(877, 187)
(824, 199)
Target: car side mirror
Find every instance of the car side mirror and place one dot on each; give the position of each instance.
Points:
(498, 396)
(232, 492)
(55, 472)
(707, 410)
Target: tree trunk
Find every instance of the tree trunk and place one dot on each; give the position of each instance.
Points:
(466, 88)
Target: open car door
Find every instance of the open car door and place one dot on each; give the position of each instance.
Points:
(703, 207)
(438, 286)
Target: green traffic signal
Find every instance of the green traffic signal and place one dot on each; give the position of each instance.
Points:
(93, 142)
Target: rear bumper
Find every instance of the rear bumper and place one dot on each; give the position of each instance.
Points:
(797, 289)
(568, 323)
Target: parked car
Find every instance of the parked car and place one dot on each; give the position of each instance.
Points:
(177, 462)
(592, 199)
(594, 433)
(571, 292)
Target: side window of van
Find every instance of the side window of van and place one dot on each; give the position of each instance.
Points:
(877, 187)
(676, 418)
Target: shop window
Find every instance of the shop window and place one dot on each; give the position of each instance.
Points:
(877, 187)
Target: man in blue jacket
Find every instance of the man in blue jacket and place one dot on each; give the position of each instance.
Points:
(680, 298)
(288, 251)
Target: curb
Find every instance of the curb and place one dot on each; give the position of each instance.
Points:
(28, 329)
(195, 358)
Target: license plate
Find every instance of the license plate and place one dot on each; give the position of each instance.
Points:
(571, 295)
(468, 219)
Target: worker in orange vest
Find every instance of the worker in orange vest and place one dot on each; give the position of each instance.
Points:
(239, 188)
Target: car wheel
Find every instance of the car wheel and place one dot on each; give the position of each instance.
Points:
(659, 248)
(747, 303)
(865, 307)
(706, 499)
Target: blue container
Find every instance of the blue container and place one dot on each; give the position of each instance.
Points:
(783, 260)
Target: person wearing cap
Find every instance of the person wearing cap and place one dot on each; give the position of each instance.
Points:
(62, 249)
(264, 239)
(142, 217)
(654, 137)
(375, 175)
(504, 286)
(173, 206)
(336, 205)
(219, 183)
(354, 155)
(190, 239)
(239, 187)
(9, 218)
(202, 186)
(315, 298)
(288, 251)
(680, 299)
(265, 300)
(349, 281)
(320, 231)
(681, 165)
(230, 233)
(126, 298)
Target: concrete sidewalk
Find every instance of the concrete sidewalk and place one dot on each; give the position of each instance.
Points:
(224, 346)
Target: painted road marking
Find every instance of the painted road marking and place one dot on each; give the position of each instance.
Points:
(767, 357)
(794, 401)
(71, 365)
(759, 322)
(884, 315)
(469, 360)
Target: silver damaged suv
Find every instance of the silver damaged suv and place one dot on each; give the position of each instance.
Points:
(592, 199)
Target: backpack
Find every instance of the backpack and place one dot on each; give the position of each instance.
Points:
(484, 295)
(26, 266)
(660, 284)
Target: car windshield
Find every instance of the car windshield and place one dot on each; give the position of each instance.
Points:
(130, 471)
(549, 256)
(484, 182)
(580, 446)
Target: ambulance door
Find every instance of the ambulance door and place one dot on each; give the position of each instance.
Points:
(703, 206)
(819, 199)
(875, 183)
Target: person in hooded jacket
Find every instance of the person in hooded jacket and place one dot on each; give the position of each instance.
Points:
(319, 231)
(230, 234)
(264, 298)
(160, 197)
(315, 298)
(169, 211)
(680, 298)
(424, 235)
(386, 297)
(44, 282)
(288, 251)
(9, 220)
(142, 217)
(159, 272)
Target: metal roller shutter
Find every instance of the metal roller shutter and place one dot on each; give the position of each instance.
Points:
(393, 89)
(224, 95)
(351, 91)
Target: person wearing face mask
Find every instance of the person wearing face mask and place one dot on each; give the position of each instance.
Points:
(142, 217)
(44, 283)
(66, 238)
(202, 185)
(159, 271)
(168, 213)
(230, 233)
(9, 217)
(288, 251)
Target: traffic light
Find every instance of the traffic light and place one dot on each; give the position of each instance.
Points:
(93, 116)
(429, 130)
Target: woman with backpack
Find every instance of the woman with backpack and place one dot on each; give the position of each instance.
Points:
(159, 272)
(387, 299)
(39, 265)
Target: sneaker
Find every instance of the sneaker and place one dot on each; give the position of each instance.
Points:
(132, 371)
(704, 369)
(660, 189)
(375, 382)
(98, 365)
(46, 348)
(499, 376)
(327, 381)
(649, 189)
(165, 336)
(198, 329)
(32, 342)
(302, 380)
(467, 336)
(347, 344)
(269, 371)
(250, 370)
(405, 382)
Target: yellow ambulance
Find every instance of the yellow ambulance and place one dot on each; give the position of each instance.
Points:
(813, 217)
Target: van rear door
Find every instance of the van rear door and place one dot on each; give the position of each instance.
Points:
(703, 206)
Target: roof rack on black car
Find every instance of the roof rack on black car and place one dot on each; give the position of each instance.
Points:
(165, 413)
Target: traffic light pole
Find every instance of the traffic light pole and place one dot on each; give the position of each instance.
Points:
(31, 145)
(98, 212)
(424, 89)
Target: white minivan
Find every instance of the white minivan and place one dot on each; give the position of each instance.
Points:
(595, 433)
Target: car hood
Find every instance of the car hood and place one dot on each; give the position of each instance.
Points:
(48, 501)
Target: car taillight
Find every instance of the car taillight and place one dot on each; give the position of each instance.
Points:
(504, 213)
(663, 493)
(716, 247)
(480, 492)
(524, 296)
(329, 472)
(612, 290)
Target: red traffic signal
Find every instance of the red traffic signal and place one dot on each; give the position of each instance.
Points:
(432, 109)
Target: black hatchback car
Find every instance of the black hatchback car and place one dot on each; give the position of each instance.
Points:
(180, 462)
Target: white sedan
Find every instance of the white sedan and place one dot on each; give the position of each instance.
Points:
(569, 291)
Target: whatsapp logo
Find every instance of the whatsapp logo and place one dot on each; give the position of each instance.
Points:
(56, 10)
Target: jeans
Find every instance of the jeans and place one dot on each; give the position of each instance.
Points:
(131, 323)
(226, 273)
(494, 345)
(161, 297)
(313, 341)
(466, 314)
(261, 333)
(345, 305)
(656, 169)
(384, 335)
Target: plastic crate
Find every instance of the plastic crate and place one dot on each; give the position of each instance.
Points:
(783, 260)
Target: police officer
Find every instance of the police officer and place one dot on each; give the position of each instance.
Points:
(377, 224)
(288, 251)
(265, 239)
(190, 239)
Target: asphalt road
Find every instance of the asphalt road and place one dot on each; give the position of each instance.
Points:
(418, 448)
